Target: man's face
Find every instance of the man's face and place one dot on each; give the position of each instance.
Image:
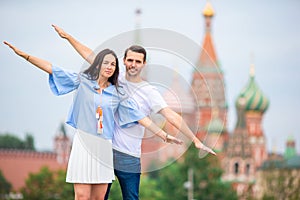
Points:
(134, 63)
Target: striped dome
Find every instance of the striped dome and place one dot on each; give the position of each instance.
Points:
(216, 125)
(251, 98)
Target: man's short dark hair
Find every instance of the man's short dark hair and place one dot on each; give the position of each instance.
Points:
(137, 49)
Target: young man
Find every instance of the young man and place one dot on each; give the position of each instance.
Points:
(127, 141)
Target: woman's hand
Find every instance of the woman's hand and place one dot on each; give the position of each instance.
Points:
(16, 50)
(38, 62)
(61, 32)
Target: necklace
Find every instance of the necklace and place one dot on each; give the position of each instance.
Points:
(99, 115)
(99, 111)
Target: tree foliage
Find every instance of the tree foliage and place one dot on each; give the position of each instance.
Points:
(148, 190)
(48, 185)
(281, 183)
(115, 191)
(29, 142)
(5, 186)
(206, 178)
(10, 141)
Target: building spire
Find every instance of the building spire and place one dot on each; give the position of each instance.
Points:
(208, 13)
(252, 71)
(137, 37)
(208, 57)
(274, 146)
(208, 10)
(252, 67)
(290, 149)
(63, 130)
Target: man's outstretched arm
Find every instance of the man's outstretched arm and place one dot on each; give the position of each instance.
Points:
(83, 50)
(148, 124)
(177, 121)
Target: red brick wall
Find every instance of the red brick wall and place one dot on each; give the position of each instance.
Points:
(16, 165)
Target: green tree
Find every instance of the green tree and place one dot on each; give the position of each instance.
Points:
(281, 183)
(206, 178)
(29, 142)
(64, 191)
(48, 185)
(10, 141)
(5, 186)
(170, 182)
(148, 190)
(115, 191)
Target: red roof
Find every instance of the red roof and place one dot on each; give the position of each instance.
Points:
(208, 55)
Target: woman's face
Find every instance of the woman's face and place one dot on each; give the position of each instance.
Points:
(108, 66)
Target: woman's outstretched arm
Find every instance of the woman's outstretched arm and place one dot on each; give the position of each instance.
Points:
(40, 63)
(83, 50)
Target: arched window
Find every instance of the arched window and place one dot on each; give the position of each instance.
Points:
(236, 168)
(247, 169)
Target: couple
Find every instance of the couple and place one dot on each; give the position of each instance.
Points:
(104, 115)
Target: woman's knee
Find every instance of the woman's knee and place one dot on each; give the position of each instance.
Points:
(97, 196)
(82, 196)
(82, 191)
(98, 191)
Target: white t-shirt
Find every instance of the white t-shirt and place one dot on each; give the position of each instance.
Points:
(149, 100)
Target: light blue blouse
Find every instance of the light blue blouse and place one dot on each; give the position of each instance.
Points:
(82, 114)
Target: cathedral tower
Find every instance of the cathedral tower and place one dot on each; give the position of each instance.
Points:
(238, 163)
(208, 83)
(246, 149)
(62, 145)
(256, 105)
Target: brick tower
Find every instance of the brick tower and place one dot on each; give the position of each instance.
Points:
(256, 105)
(208, 87)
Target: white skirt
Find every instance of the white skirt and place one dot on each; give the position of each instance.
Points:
(91, 160)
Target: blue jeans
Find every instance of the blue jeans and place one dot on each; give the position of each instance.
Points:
(128, 172)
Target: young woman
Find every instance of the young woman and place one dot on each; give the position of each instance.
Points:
(96, 101)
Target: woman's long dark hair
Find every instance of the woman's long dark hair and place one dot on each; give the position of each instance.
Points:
(94, 70)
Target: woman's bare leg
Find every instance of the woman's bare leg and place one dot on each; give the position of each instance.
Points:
(98, 191)
(82, 191)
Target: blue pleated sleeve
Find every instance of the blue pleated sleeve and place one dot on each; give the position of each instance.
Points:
(62, 81)
(128, 113)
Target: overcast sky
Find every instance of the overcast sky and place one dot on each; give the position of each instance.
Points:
(269, 30)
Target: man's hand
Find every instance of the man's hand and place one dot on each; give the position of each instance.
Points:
(171, 139)
(200, 145)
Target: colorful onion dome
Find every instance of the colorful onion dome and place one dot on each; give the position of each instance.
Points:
(252, 97)
(216, 125)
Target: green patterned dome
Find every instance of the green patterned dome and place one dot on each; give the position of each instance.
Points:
(215, 126)
(251, 98)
